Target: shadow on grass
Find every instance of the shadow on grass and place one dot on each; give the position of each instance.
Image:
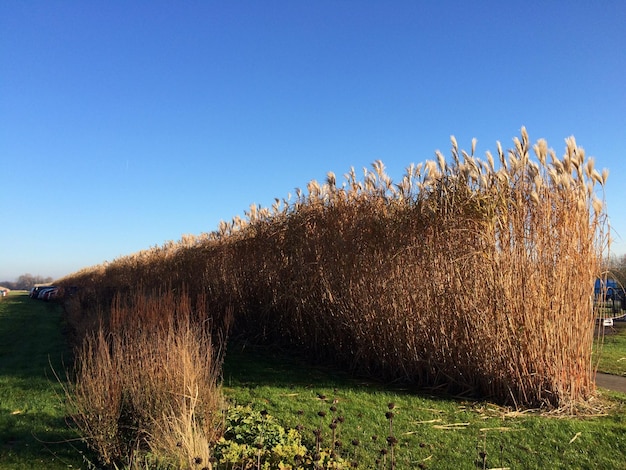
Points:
(33, 429)
(257, 366)
(31, 439)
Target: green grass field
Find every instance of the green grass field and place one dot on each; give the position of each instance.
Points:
(613, 350)
(33, 431)
(432, 431)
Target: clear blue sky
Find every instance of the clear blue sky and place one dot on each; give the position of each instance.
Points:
(127, 124)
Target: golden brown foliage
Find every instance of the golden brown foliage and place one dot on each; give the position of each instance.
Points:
(472, 274)
(149, 384)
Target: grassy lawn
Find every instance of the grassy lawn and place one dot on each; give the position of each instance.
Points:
(33, 432)
(432, 431)
(613, 351)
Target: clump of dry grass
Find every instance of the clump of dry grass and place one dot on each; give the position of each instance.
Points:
(150, 386)
(469, 274)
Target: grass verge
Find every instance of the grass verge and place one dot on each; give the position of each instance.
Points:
(432, 431)
(613, 350)
(33, 431)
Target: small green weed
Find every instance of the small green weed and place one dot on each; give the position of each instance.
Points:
(255, 436)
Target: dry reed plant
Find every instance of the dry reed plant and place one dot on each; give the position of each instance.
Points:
(182, 436)
(95, 398)
(150, 385)
(471, 275)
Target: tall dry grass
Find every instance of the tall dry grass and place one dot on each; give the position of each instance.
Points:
(152, 386)
(469, 274)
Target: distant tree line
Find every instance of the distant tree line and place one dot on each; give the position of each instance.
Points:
(26, 282)
(617, 268)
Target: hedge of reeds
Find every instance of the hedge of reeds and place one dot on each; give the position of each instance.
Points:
(470, 275)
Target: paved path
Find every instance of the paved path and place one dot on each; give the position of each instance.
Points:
(612, 382)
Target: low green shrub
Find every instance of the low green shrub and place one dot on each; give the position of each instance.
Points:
(255, 440)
